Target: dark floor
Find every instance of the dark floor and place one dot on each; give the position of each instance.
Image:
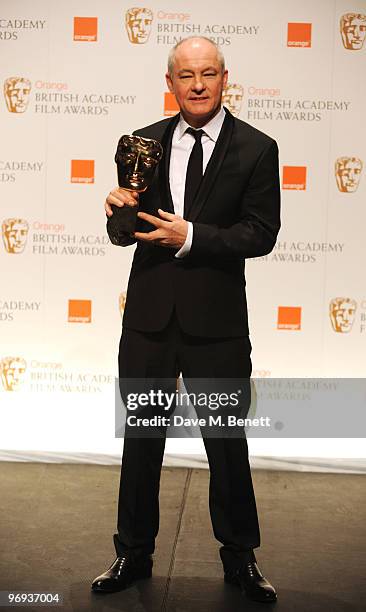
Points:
(57, 522)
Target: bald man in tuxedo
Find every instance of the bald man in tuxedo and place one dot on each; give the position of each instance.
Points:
(214, 202)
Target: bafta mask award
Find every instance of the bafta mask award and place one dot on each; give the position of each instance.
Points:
(136, 160)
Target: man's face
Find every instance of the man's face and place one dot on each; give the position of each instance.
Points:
(232, 98)
(17, 95)
(197, 81)
(138, 23)
(136, 160)
(342, 315)
(12, 373)
(348, 173)
(15, 235)
(354, 32)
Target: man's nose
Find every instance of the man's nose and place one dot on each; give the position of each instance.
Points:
(198, 85)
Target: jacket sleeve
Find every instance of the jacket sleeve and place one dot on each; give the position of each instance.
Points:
(255, 232)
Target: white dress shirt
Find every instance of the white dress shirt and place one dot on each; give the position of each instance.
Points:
(182, 145)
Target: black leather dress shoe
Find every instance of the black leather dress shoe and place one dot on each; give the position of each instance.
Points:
(123, 573)
(250, 580)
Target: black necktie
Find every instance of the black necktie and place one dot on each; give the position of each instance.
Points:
(194, 171)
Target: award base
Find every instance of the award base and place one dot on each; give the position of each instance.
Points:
(122, 224)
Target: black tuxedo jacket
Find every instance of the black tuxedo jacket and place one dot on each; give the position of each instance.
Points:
(235, 215)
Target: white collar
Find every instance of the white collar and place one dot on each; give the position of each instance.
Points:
(212, 128)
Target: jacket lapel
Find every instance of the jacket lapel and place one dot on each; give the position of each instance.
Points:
(164, 186)
(213, 166)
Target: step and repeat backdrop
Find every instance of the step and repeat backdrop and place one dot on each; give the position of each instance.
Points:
(75, 76)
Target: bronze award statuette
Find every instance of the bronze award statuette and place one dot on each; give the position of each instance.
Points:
(136, 160)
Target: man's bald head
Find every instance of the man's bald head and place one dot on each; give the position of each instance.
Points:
(194, 42)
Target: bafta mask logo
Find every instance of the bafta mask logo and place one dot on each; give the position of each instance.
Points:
(348, 173)
(15, 232)
(16, 92)
(122, 302)
(12, 370)
(136, 160)
(138, 25)
(342, 314)
(232, 98)
(353, 30)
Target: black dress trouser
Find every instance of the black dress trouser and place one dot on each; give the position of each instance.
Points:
(231, 497)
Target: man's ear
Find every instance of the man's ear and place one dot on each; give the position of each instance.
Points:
(169, 82)
(225, 78)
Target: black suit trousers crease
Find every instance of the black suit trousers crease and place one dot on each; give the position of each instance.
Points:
(164, 354)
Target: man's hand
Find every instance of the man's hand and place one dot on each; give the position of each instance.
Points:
(171, 229)
(120, 197)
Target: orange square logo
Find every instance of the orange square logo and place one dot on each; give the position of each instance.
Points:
(299, 35)
(79, 311)
(82, 170)
(289, 317)
(171, 107)
(85, 29)
(294, 177)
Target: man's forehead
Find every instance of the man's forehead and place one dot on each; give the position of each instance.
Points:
(195, 55)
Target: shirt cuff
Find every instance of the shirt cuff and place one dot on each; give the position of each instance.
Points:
(184, 250)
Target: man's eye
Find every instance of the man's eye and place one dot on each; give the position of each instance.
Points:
(210, 74)
(185, 76)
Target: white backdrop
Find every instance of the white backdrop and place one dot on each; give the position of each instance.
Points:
(76, 77)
